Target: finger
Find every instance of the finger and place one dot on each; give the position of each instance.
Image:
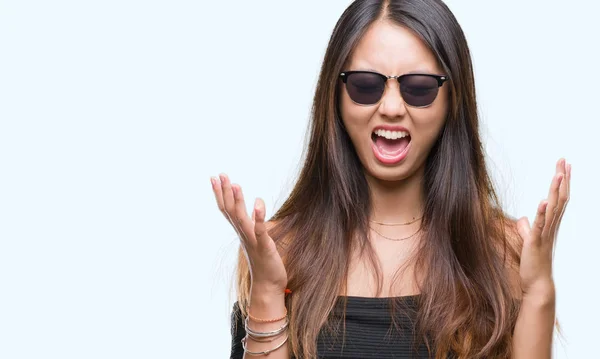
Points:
(216, 186)
(568, 187)
(241, 215)
(569, 182)
(538, 223)
(553, 198)
(228, 201)
(260, 228)
(560, 166)
(558, 170)
(563, 198)
(554, 205)
(524, 228)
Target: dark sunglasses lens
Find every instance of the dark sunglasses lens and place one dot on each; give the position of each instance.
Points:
(365, 88)
(418, 90)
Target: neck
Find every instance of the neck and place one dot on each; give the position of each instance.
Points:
(398, 201)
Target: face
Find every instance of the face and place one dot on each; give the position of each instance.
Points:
(390, 49)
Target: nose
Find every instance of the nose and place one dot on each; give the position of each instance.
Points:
(391, 104)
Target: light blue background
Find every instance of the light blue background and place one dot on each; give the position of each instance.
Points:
(114, 114)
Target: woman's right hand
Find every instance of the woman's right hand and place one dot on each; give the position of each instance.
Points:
(267, 271)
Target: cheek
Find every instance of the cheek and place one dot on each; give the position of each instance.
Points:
(428, 133)
(355, 118)
(430, 122)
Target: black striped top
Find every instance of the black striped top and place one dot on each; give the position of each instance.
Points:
(369, 331)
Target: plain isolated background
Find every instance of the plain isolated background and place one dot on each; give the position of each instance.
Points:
(114, 114)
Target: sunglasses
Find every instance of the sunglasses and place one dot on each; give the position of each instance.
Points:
(367, 87)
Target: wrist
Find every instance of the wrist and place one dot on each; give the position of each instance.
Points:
(545, 297)
(262, 299)
(266, 291)
(266, 307)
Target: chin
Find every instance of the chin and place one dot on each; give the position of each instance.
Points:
(388, 174)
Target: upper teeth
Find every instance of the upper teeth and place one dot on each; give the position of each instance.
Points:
(391, 135)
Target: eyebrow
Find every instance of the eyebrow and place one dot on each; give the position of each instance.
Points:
(423, 71)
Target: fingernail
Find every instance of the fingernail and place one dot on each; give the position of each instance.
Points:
(560, 178)
(213, 181)
(569, 169)
(222, 177)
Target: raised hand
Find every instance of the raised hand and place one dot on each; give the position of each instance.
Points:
(539, 240)
(266, 267)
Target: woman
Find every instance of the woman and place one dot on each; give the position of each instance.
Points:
(393, 242)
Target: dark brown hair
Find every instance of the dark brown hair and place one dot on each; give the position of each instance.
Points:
(467, 303)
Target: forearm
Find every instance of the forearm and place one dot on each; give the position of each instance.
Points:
(267, 307)
(535, 327)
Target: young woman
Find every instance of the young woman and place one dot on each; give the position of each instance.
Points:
(393, 242)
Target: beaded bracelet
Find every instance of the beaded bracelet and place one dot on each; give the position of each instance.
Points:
(258, 320)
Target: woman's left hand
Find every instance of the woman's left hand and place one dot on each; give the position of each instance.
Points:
(539, 241)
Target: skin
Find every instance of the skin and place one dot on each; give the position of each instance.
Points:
(396, 192)
(532, 337)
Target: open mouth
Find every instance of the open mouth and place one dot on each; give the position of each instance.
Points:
(390, 146)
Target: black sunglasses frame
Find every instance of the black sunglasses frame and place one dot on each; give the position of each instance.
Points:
(440, 80)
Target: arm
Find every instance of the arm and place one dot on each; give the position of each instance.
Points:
(262, 307)
(266, 269)
(532, 337)
(267, 306)
(534, 328)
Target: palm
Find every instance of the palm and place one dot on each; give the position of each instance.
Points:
(539, 240)
(266, 266)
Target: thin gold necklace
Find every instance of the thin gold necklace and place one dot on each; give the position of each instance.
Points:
(395, 239)
(397, 224)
